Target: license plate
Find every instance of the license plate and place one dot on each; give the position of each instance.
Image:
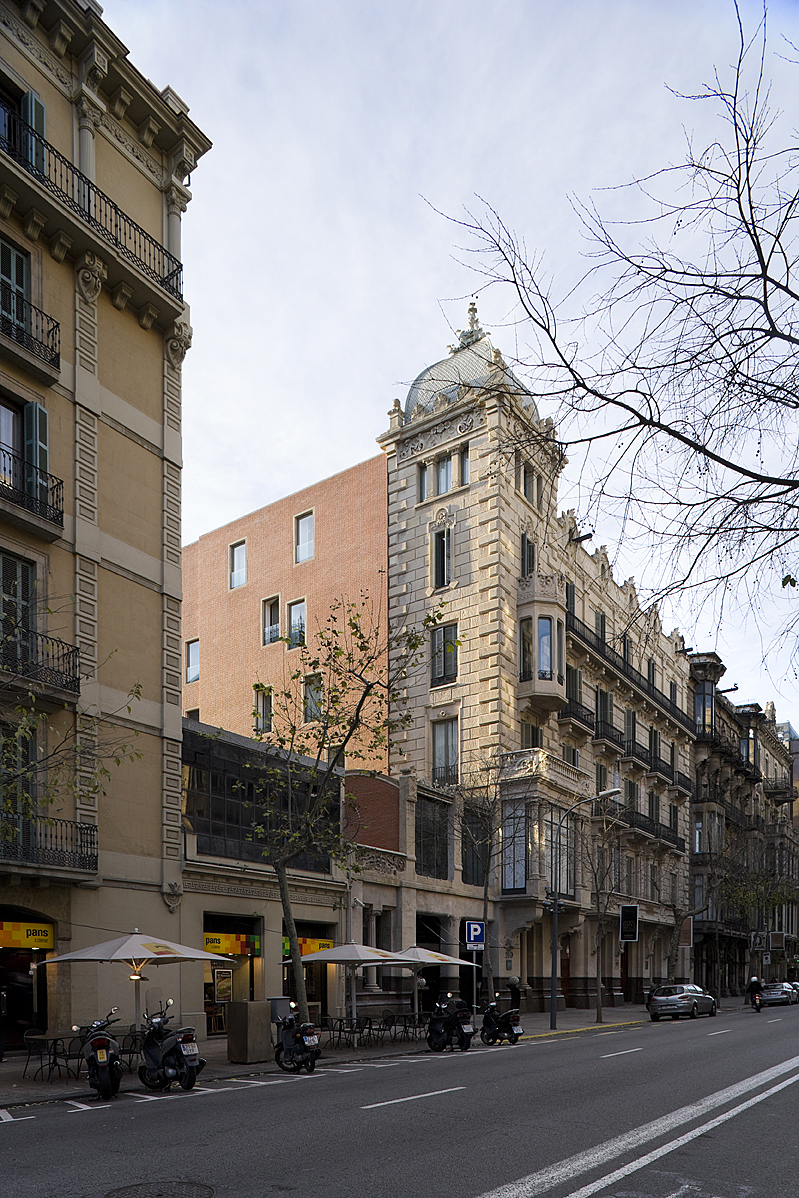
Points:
(311, 1040)
(468, 1029)
(102, 1056)
(190, 1050)
(517, 1031)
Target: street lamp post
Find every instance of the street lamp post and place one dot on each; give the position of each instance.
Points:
(553, 980)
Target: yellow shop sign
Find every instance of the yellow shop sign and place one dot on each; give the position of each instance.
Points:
(238, 944)
(14, 934)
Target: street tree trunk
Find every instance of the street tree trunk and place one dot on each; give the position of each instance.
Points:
(599, 938)
(294, 944)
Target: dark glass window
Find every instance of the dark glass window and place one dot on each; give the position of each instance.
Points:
(443, 654)
(432, 838)
(474, 848)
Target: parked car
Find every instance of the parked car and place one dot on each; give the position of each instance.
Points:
(779, 994)
(681, 1000)
(795, 986)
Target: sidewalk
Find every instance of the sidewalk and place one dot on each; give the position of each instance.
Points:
(14, 1091)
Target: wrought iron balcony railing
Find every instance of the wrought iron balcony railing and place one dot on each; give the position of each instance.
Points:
(31, 328)
(606, 731)
(577, 711)
(28, 487)
(50, 842)
(637, 752)
(271, 633)
(36, 156)
(445, 775)
(664, 768)
(604, 650)
(683, 781)
(41, 658)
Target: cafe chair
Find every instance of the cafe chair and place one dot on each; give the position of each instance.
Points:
(37, 1049)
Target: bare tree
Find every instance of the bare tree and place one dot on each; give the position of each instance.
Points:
(601, 852)
(340, 702)
(681, 372)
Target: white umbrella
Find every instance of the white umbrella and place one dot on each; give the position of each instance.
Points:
(354, 955)
(138, 950)
(416, 958)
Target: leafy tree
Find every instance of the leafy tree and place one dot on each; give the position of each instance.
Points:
(339, 703)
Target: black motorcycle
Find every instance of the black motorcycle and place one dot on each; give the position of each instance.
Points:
(297, 1046)
(450, 1025)
(499, 1026)
(102, 1056)
(169, 1055)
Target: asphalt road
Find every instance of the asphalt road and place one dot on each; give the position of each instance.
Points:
(703, 1109)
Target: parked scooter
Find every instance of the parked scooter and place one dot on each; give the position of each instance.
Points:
(500, 1025)
(169, 1055)
(102, 1056)
(298, 1044)
(450, 1025)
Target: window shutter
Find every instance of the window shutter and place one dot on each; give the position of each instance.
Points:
(33, 114)
(37, 455)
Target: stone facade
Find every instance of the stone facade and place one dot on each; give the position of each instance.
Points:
(91, 159)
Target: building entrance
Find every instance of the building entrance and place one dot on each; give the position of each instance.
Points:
(24, 939)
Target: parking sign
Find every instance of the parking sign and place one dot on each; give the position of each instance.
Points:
(475, 935)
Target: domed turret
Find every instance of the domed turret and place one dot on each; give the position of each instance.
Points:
(473, 363)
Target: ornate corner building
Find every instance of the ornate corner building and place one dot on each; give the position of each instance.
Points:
(94, 164)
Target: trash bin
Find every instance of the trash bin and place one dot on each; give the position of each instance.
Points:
(248, 1038)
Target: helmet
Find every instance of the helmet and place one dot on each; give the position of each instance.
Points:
(753, 979)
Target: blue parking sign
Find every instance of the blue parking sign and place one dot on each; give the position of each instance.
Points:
(475, 935)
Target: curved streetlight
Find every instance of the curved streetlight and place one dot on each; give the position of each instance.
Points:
(553, 981)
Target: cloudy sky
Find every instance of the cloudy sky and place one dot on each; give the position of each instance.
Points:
(321, 274)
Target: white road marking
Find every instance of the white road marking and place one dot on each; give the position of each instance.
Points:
(775, 1020)
(673, 1145)
(248, 1081)
(6, 1118)
(81, 1106)
(592, 1158)
(625, 1053)
(722, 1033)
(412, 1098)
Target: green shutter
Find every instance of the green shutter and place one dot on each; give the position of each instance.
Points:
(33, 114)
(37, 458)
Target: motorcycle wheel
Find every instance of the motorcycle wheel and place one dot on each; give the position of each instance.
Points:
(116, 1077)
(310, 1064)
(104, 1090)
(486, 1037)
(514, 1039)
(157, 1085)
(286, 1066)
(188, 1077)
(464, 1043)
(435, 1045)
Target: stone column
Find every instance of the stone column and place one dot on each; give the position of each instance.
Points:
(370, 972)
(176, 204)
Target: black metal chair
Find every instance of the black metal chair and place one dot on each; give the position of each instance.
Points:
(38, 1049)
(130, 1045)
(67, 1052)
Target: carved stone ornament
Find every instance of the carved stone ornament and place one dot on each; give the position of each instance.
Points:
(176, 201)
(178, 343)
(380, 861)
(172, 896)
(90, 274)
(94, 67)
(443, 519)
(33, 46)
(410, 450)
(89, 115)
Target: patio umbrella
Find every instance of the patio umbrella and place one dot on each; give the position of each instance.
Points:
(137, 951)
(416, 958)
(354, 955)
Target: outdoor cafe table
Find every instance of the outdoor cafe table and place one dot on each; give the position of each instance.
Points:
(51, 1040)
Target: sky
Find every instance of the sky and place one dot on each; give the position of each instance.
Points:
(323, 261)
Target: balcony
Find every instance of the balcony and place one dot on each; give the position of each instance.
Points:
(610, 735)
(683, 782)
(625, 670)
(445, 775)
(51, 842)
(780, 790)
(580, 716)
(664, 768)
(271, 633)
(86, 204)
(544, 766)
(29, 497)
(41, 659)
(29, 336)
(635, 752)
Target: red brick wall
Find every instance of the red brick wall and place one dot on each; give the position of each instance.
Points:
(350, 557)
(376, 821)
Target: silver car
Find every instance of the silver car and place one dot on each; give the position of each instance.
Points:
(680, 1000)
(779, 994)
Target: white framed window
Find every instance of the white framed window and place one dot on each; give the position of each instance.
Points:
(297, 624)
(271, 620)
(303, 537)
(465, 466)
(192, 661)
(238, 564)
(442, 557)
(528, 556)
(445, 752)
(443, 654)
(263, 709)
(312, 698)
(443, 475)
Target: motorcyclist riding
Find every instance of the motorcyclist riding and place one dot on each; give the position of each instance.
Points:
(754, 990)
